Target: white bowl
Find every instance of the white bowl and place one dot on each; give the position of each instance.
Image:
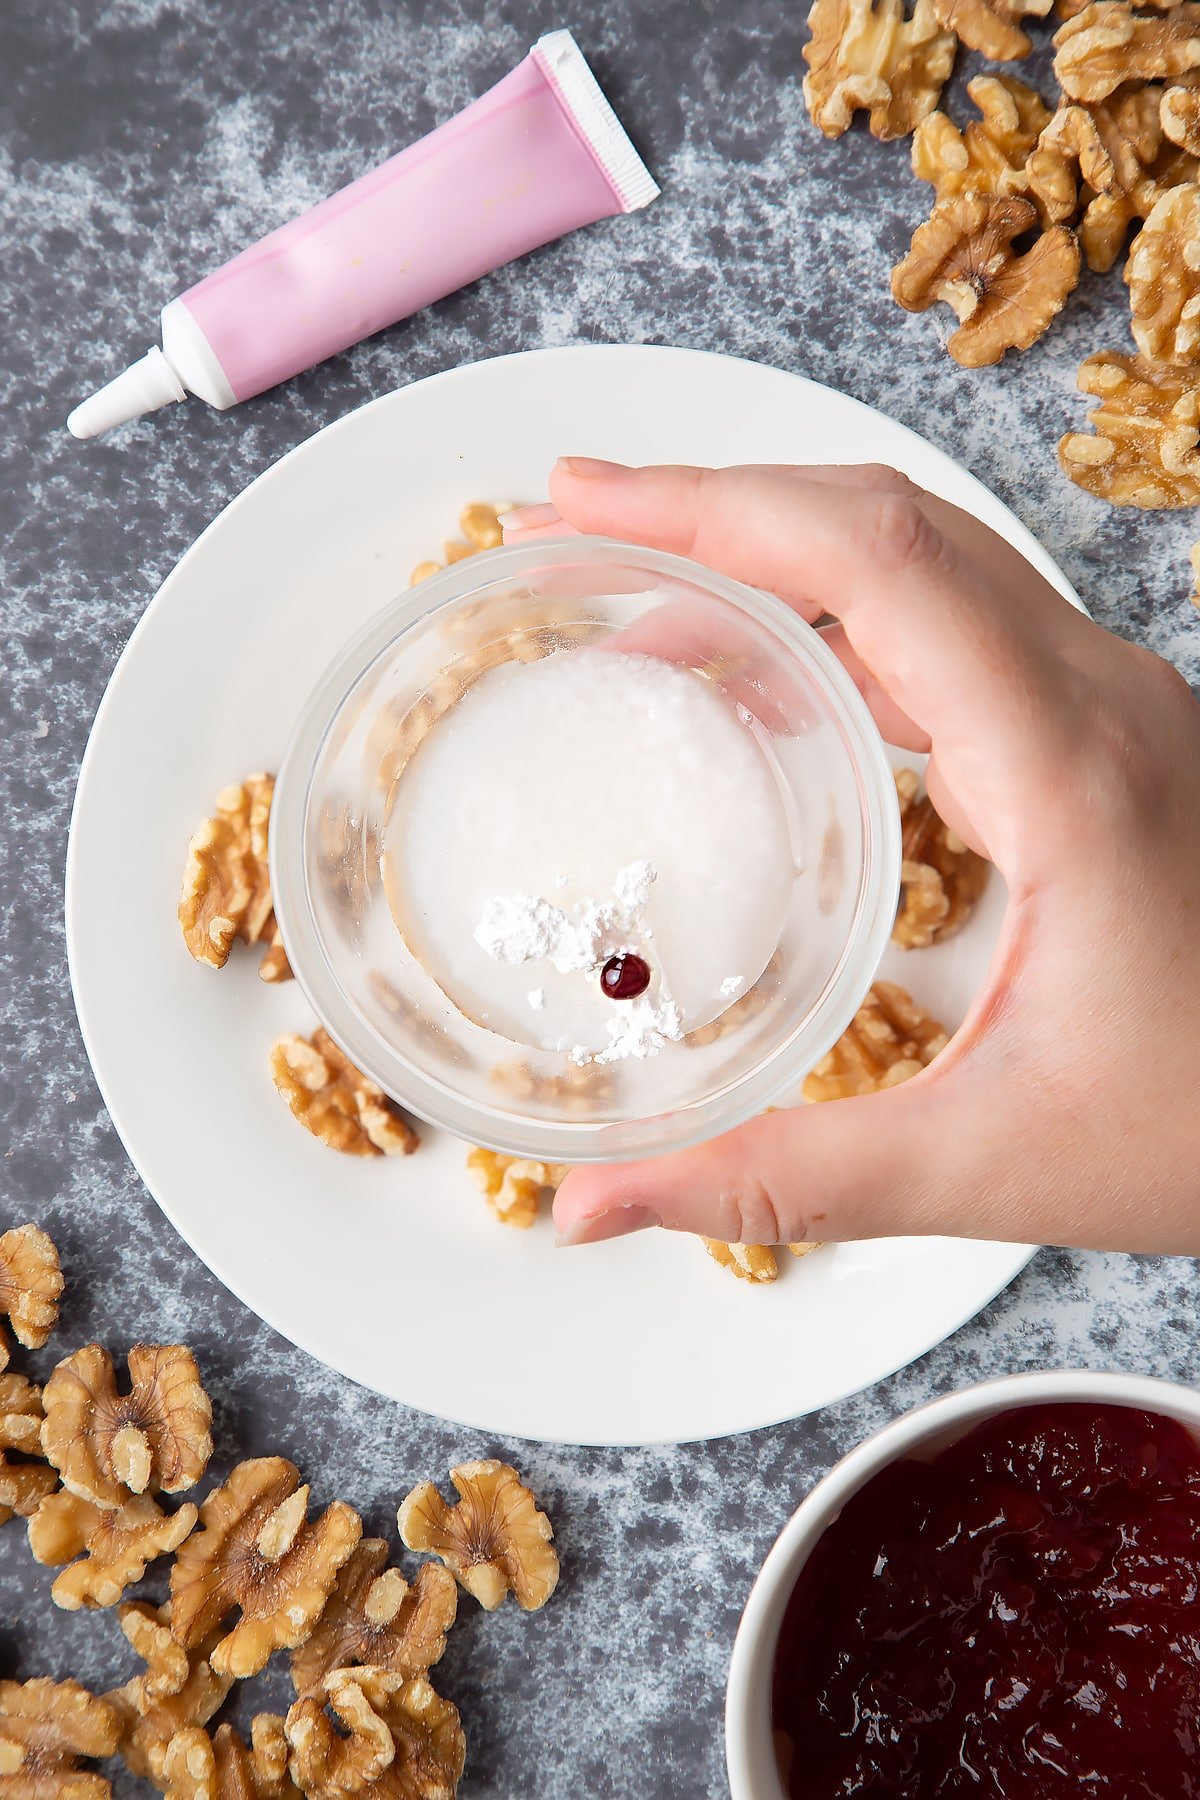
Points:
(749, 1748)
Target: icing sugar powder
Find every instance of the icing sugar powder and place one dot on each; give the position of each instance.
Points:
(640, 1029)
(520, 928)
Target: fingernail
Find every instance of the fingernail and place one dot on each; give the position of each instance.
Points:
(527, 518)
(619, 1221)
(590, 468)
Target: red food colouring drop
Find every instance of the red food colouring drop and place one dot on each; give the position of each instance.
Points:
(625, 977)
(1016, 1616)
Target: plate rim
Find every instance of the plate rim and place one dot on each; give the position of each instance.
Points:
(1023, 540)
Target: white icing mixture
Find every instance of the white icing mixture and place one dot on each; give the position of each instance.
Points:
(548, 779)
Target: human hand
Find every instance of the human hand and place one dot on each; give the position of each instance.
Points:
(1065, 1108)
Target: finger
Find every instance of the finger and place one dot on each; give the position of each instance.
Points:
(678, 634)
(973, 661)
(893, 722)
(543, 519)
(869, 1167)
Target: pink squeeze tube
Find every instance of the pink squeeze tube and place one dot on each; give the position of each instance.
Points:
(538, 155)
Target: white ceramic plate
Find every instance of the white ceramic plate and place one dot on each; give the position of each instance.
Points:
(393, 1271)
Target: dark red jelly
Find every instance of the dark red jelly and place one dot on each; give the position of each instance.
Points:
(1018, 1616)
(624, 977)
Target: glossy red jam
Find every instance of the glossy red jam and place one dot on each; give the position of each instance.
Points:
(1019, 1615)
(625, 976)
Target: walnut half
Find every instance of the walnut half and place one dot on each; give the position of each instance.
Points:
(1004, 299)
(31, 1286)
(222, 1767)
(337, 1102)
(178, 1690)
(749, 1262)
(1179, 115)
(45, 1728)
(495, 1540)
(990, 155)
(374, 1617)
(108, 1551)
(400, 1739)
(107, 1445)
(258, 1554)
(990, 26)
(226, 891)
(1143, 449)
(512, 1185)
(941, 879)
(890, 1040)
(1109, 44)
(25, 1481)
(1163, 277)
(869, 54)
(1105, 164)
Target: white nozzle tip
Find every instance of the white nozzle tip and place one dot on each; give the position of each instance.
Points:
(141, 388)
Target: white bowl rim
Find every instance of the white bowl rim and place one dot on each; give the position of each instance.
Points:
(749, 1751)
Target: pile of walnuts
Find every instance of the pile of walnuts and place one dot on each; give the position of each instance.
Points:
(87, 1462)
(1024, 194)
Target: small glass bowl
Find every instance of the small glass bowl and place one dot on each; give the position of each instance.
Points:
(407, 668)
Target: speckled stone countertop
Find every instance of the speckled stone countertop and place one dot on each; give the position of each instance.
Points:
(143, 142)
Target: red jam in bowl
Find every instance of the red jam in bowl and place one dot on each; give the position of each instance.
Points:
(1017, 1615)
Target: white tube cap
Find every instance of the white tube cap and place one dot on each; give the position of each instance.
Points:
(143, 387)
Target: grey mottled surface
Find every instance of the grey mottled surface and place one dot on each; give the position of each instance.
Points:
(142, 143)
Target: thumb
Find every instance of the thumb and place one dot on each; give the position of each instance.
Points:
(877, 1166)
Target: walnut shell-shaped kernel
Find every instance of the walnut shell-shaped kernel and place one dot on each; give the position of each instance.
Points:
(749, 1262)
(24, 1478)
(258, 1554)
(1105, 160)
(513, 1186)
(870, 54)
(337, 1102)
(990, 26)
(480, 525)
(226, 892)
(375, 1618)
(45, 1728)
(178, 1689)
(222, 1767)
(108, 1446)
(114, 1547)
(1110, 43)
(1179, 115)
(495, 1540)
(1163, 277)
(31, 1285)
(990, 155)
(330, 1762)
(942, 879)
(428, 1749)
(889, 1040)
(1004, 300)
(1143, 448)
(147, 1631)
